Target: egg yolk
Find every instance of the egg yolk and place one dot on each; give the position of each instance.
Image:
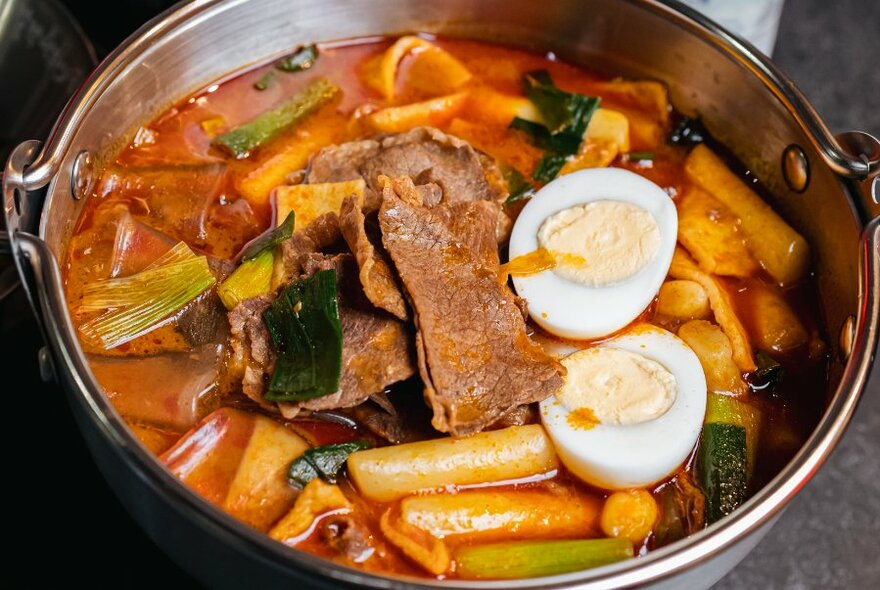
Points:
(619, 387)
(600, 243)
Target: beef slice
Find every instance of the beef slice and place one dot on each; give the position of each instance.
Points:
(474, 355)
(377, 348)
(425, 154)
(251, 353)
(321, 234)
(376, 275)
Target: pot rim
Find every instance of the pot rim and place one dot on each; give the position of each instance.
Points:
(657, 565)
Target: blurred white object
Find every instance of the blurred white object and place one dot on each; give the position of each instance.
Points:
(756, 20)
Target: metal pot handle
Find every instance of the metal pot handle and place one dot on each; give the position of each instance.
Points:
(838, 153)
(861, 341)
(34, 261)
(866, 147)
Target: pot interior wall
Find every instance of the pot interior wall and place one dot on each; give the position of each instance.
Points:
(645, 39)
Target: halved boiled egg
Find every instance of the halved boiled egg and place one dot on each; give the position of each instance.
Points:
(611, 234)
(630, 411)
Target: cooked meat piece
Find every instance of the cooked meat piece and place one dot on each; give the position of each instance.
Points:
(377, 351)
(377, 278)
(523, 306)
(345, 269)
(398, 415)
(377, 348)
(203, 320)
(344, 534)
(474, 355)
(384, 424)
(524, 414)
(381, 399)
(320, 234)
(250, 352)
(424, 154)
(431, 193)
(388, 425)
(494, 175)
(220, 268)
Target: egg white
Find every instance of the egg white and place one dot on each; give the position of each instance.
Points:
(636, 455)
(573, 310)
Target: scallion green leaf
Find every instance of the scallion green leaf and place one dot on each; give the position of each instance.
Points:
(565, 117)
(301, 59)
(536, 132)
(306, 333)
(769, 374)
(265, 81)
(325, 462)
(295, 366)
(240, 141)
(640, 156)
(549, 166)
(517, 186)
(270, 238)
(561, 143)
(563, 113)
(301, 472)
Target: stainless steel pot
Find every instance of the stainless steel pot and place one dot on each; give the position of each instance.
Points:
(822, 185)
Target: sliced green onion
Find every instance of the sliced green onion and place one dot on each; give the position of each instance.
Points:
(163, 274)
(301, 472)
(136, 289)
(144, 301)
(542, 138)
(319, 314)
(270, 239)
(303, 324)
(769, 374)
(562, 113)
(549, 166)
(240, 141)
(251, 279)
(180, 251)
(265, 81)
(536, 132)
(295, 366)
(325, 462)
(565, 117)
(517, 186)
(640, 156)
(301, 59)
(533, 559)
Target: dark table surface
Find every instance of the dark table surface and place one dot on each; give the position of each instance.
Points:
(56, 503)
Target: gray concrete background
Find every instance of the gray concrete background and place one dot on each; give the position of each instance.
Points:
(830, 535)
